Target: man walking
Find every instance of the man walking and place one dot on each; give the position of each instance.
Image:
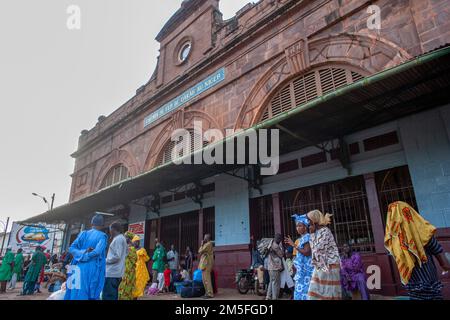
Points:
(275, 266)
(115, 262)
(34, 270)
(86, 275)
(172, 260)
(17, 270)
(6, 269)
(206, 264)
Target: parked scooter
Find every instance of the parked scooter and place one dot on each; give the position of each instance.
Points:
(247, 279)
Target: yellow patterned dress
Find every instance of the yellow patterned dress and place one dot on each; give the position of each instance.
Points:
(142, 275)
(128, 284)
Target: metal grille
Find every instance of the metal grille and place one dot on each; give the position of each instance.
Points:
(261, 216)
(170, 230)
(166, 154)
(209, 222)
(189, 231)
(394, 185)
(308, 87)
(116, 174)
(180, 230)
(345, 199)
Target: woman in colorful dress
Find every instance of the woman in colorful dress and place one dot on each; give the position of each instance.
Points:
(302, 257)
(128, 284)
(326, 280)
(142, 275)
(353, 276)
(410, 240)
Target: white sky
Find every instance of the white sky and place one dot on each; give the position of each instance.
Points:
(55, 83)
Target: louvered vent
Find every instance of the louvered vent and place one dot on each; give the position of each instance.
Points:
(166, 154)
(309, 87)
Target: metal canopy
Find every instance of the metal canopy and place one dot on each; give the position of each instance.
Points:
(414, 86)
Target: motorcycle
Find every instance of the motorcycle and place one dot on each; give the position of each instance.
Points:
(247, 279)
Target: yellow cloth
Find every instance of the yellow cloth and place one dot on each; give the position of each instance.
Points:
(296, 244)
(206, 256)
(407, 233)
(142, 275)
(135, 238)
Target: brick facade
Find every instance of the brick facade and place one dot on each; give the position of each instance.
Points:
(263, 46)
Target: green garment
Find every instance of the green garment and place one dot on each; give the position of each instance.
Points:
(6, 270)
(37, 262)
(158, 259)
(18, 263)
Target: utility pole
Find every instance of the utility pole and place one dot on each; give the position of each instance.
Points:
(4, 234)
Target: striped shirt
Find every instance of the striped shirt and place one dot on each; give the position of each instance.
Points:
(424, 283)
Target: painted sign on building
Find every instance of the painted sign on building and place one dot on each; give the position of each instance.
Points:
(186, 96)
(138, 229)
(29, 237)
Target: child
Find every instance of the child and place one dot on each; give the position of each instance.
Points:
(167, 278)
(184, 273)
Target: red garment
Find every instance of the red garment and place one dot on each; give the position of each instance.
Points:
(41, 276)
(167, 274)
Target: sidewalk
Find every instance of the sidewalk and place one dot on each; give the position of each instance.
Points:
(14, 294)
(223, 294)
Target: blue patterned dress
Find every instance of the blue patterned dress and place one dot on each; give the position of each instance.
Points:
(304, 270)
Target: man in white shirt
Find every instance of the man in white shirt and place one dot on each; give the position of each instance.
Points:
(172, 261)
(115, 262)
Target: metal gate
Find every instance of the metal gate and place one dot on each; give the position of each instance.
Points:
(394, 185)
(345, 199)
(261, 217)
(180, 230)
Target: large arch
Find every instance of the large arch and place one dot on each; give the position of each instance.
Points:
(115, 158)
(366, 53)
(180, 119)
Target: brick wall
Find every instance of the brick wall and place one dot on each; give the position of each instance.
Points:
(256, 65)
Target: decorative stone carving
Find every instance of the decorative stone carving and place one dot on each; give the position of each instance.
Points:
(297, 56)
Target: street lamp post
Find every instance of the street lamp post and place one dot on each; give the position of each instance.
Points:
(50, 208)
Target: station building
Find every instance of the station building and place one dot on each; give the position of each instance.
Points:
(363, 116)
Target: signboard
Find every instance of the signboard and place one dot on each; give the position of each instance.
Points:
(29, 237)
(186, 96)
(138, 229)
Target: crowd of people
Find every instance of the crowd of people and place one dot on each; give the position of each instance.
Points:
(119, 271)
(39, 268)
(321, 272)
(310, 268)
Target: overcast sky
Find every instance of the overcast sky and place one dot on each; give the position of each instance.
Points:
(55, 82)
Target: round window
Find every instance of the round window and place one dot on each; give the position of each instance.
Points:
(185, 50)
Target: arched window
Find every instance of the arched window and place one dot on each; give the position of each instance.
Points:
(308, 87)
(116, 174)
(165, 155)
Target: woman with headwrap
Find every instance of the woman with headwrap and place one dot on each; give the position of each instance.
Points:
(128, 284)
(302, 260)
(142, 275)
(410, 240)
(326, 280)
(353, 276)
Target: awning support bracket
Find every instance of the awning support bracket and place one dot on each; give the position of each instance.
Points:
(343, 156)
(196, 193)
(252, 175)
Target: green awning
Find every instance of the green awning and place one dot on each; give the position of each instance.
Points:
(411, 87)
